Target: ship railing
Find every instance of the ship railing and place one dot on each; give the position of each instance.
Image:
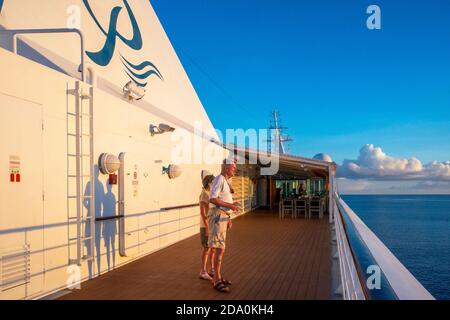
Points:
(14, 32)
(368, 269)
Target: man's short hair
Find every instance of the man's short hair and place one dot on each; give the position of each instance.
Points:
(229, 160)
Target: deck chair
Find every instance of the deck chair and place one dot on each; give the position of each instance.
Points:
(315, 207)
(300, 207)
(287, 207)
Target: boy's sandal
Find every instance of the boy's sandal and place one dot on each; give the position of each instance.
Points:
(221, 287)
(226, 282)
(205, 276)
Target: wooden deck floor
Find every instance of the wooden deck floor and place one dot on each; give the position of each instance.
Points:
(266, 258)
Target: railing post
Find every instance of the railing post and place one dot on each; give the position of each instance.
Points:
(14, 43)
(330, 194)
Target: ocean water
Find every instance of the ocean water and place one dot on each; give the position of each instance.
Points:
(416, 228)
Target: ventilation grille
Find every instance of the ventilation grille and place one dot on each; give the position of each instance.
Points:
(14, 267)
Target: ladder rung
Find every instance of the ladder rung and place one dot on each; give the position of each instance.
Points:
(75, 197)
(75, 135)
(75, 219)
(81, 155)
(85, 96)
(88, 258)
(87, 115)
(81, 239)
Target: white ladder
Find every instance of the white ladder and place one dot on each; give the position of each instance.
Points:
(84, 150)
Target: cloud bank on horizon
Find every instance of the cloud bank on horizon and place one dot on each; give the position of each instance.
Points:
(373, 164)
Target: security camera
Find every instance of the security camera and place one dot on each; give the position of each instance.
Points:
(165, 128)
(162, 128)
(132, 91)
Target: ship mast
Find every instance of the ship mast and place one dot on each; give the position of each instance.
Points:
(277, 137)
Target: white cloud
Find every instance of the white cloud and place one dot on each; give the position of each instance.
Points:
(364, 186)
(374, 164)
(432, 186)
(353, 186)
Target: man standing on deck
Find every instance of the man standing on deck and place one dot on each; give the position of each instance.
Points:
(219, 220)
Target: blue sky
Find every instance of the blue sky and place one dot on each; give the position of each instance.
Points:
(337, 84)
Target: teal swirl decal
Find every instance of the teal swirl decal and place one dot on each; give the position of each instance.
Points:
(103, 57)
(139, 73)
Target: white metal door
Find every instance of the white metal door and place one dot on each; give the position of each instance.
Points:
(21, 198)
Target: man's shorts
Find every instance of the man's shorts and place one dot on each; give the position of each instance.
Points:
(204, 237)
(218, 225)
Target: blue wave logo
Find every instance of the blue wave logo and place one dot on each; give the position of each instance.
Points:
(138, 73)
(141, 72)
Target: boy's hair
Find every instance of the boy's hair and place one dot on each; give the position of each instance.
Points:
(207, 180)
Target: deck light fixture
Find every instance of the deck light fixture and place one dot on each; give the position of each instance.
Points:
(162, 128)
(108, 163)
(172, 171)
(132, 91)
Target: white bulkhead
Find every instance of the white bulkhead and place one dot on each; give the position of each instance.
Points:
(40, 237)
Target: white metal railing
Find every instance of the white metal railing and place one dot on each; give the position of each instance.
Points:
(350, 283)
(15, 32)
(403, 283)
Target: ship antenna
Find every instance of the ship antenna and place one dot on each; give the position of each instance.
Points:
(277, 138)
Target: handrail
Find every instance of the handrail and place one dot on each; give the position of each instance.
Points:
(363, 262)
(351, 286)
(109, 218)
(15, 32)
(180, 207)
(394, 275)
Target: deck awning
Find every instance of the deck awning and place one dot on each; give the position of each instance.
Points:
(289, 166)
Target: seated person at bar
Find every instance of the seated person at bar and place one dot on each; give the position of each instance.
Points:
(301, 190)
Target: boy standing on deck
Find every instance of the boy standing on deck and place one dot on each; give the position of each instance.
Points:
(204, 230)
